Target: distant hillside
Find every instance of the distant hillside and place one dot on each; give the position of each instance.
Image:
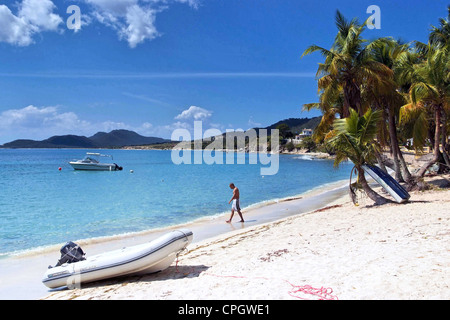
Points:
(121, 138)
(70, 141)
(113, 139)
(296, 125)
(126, 138)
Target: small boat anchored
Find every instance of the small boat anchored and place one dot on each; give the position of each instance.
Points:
(92, 162)
(74, 269)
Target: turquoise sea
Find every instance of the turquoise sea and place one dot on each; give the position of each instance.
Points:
(41, 205)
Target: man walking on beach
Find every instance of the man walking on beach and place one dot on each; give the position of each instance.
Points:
(235, 206)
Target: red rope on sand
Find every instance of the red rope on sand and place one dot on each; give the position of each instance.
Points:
(322, 293)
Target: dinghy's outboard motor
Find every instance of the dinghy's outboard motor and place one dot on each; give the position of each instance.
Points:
(118, 167)
(70, 252)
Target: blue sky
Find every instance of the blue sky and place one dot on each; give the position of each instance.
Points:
(156, 65)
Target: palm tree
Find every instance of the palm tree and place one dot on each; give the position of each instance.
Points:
(389, 99)
(329, 114)
(359, 74)
(348, 65)
(440, 36)
(354, 139)
(430, 93)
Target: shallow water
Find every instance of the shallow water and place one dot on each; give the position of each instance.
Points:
(43, 206)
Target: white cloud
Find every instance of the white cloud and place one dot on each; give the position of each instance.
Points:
(193, 3)
(14, 30)
(194, 113)
(147, 127)
(39, 14)
(133, 20)
(140, 25)
(33, 17)
(33, 121)
(38, 123)
(253, 124)
(109, 125)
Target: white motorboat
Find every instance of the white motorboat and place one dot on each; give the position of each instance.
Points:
(92, 162)
(150, 257)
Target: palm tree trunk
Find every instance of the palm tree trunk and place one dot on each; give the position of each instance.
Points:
(346, 106)
(436, 151)
(368, 190)
(406, 175)
(394, 145)
(380, 161)
(444, 138)
(352, 99)
(405, 171)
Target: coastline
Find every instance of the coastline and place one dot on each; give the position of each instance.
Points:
(394, 251)
(32, 264)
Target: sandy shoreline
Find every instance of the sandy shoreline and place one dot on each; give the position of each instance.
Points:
(367, 252)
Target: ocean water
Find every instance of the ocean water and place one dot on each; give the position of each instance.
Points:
(42, 206)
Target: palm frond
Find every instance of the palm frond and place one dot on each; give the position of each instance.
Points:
(315, 48)
(368, 126)
(310, 106)
(414, 123)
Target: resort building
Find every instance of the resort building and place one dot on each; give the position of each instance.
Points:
(306, 133)
(299, 137)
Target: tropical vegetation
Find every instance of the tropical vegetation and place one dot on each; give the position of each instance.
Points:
(376, 96)
(353, 139)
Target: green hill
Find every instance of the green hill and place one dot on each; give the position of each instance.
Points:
(113, 139)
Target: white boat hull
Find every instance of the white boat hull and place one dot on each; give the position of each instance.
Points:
(149, 257)
(93, 166)
(388, 183)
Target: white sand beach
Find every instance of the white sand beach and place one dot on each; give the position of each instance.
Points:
(394, 251)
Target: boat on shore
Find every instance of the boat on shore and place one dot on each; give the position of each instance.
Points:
(150, 257)
(391, 185)
(92, 162)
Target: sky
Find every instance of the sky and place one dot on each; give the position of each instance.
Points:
(153, 66)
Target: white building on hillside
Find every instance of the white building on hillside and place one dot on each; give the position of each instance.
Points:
(299, 137)
(306, 133)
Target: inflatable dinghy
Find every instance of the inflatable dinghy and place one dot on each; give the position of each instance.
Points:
(150, 257)
(388, 183)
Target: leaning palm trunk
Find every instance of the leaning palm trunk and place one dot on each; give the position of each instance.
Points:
(444, 139)
(403, 174)
(436, 151)
(394, 146)
(405, 171)
(378, 199)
